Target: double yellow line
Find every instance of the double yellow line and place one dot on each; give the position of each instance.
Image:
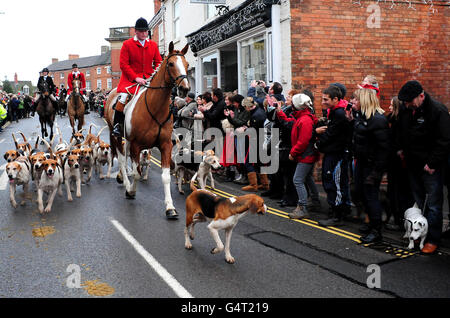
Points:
(333, 230)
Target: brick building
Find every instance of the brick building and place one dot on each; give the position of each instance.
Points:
(97, 70)
(342, 41)
(311, 43)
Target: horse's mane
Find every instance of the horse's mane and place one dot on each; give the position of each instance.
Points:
(159, 66)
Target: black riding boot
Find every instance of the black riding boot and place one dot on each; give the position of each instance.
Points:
(119, 118)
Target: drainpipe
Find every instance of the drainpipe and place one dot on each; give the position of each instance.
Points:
(276, 41)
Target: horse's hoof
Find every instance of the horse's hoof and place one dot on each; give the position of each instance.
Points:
(172, 214)
(130, 196)
(119, 180)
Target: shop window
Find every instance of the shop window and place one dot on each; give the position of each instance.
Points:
(253, 61)
(209, 67)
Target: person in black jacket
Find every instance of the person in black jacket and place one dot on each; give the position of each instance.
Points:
(333, 141)
(371, 144)
(398, 189)
(424, 142)
(215, 114)
(46, 80)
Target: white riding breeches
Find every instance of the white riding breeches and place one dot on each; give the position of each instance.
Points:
(123, 97)
(85, 98)
(39, 96)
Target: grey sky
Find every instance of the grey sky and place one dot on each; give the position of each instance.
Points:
(34, 32)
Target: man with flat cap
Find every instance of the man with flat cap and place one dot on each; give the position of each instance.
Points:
(424, 142)
(139, 58)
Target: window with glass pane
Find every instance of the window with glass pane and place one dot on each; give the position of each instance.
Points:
(210, 11)
(176, 19)
(209, 67)
(253, 61)
(88, 85)
(99, 84)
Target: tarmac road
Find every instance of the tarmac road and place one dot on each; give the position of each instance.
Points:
(132, 248)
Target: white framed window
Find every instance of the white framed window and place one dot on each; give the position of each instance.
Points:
(253, 61)
(88, 73)
(99, 84)
(161, 34)
(109, 83)
(88, 85)
(26, 90)
(108, 70)
(210, 11)
(176, 19)
(61, 75)
(99, 70)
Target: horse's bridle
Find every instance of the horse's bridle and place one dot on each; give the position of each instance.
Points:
(173, 81)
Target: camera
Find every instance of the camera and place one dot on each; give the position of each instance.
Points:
(349, 106)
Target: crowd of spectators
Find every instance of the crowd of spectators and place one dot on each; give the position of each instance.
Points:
(357, 143)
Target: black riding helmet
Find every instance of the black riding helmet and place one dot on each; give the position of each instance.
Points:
(45, 70)
(141, 25)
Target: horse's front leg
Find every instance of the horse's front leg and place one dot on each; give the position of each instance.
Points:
(134, 155)
(166, 150)
(122, 158)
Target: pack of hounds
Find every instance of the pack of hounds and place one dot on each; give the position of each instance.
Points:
(60, 164)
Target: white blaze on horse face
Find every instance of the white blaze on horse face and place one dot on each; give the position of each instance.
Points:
(182, 70)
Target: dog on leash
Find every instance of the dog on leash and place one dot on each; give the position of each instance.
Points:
(19, 173)
(416, 226)
(223, 214)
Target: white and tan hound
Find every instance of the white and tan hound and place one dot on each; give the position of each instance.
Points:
(18, 174)
(223, 214)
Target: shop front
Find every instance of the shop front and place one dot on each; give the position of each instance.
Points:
(234, 49)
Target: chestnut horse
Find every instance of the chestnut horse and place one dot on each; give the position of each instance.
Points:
(149, 123)
(46, 112)
(75, 106)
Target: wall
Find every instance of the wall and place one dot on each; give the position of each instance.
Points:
(332, 42)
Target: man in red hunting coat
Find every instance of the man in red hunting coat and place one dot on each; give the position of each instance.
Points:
(139, 57)
(76, 74)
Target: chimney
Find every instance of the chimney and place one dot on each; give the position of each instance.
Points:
(105, 49)
(54, 60)
(16, 79)
(74, 56)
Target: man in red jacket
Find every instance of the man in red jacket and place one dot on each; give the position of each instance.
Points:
(76, 74)
(139, 57)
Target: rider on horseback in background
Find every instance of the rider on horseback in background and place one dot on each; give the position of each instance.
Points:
(139, 57)
(44, 78)
(76, 74)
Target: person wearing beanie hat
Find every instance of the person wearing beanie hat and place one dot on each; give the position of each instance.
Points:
(139, 58)
(424, 143)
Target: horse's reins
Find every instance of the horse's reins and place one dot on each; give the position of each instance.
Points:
(172, 84)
